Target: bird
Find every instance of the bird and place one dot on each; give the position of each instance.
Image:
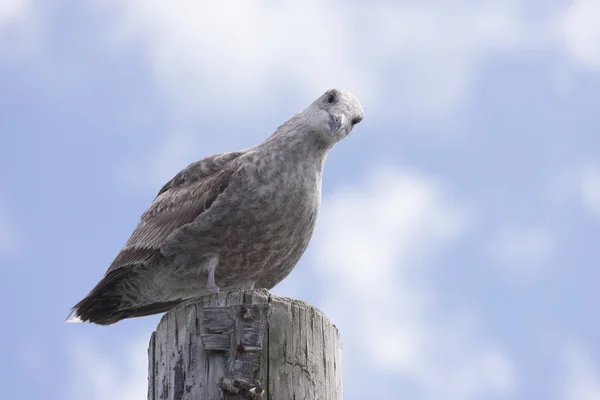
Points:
(230, 221)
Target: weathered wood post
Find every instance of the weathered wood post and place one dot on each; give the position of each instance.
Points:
(244, 345)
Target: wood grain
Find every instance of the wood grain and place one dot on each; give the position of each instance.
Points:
(220, 346)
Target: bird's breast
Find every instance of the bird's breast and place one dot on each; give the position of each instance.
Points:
(279, 214)
(270, 222)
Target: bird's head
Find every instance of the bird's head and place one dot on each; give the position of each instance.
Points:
(333, 115)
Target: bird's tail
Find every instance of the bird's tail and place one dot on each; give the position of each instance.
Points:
(114, 298)
(73, 318)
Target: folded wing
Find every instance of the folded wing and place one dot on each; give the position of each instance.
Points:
(189, 194)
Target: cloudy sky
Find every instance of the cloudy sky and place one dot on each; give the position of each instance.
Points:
(457, 247)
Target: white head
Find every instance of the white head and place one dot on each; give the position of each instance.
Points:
(333, 115)
(325, 122)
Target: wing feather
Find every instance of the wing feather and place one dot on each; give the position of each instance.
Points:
(189, 194)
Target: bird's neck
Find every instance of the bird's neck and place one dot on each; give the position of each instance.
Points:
(297, 144)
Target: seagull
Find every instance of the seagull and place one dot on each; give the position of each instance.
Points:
(237, 220)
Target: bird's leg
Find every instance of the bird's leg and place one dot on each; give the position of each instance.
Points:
(211, 286)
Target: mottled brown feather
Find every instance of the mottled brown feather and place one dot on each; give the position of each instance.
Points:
(189, 194)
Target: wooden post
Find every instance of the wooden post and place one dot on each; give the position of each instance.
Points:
(244, 345)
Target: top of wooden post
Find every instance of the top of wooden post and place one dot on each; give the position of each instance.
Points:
(244, 344)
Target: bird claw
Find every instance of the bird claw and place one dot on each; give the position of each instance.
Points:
(212, 288)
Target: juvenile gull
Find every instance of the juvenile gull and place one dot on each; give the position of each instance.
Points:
(238, 220)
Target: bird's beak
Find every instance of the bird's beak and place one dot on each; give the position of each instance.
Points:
(335, 122)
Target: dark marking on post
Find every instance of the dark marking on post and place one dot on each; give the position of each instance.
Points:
(236, 331)
(179, 377)
(239, 350)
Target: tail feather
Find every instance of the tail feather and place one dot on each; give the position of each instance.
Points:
(116, 297)
(73, 317)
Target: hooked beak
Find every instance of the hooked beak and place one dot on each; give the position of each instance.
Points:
(335, 122)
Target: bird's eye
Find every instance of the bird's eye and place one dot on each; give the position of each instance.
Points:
(331, 98)
(356, 120)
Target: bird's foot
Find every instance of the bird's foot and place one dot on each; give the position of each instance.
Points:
(212, 288)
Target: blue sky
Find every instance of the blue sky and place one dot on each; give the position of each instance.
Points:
(460, 219)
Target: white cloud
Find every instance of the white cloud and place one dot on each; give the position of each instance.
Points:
(95, 375)
(581, 32)
(578, 185)
(224, 55)
(590, 188)
(419, 59)
(406, 60)
(19, 26)
(13, 12)
(153, 166)
(374, 245)
(156, 167)
(522, 252)
(582, 376)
